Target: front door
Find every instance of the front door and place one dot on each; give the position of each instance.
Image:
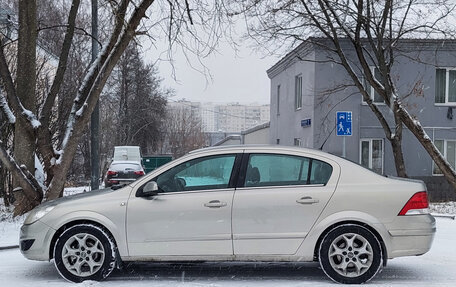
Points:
(280, 199)
(191, 215)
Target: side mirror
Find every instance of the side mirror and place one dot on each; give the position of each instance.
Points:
(150, 189)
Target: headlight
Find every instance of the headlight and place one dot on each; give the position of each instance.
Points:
(38, 214)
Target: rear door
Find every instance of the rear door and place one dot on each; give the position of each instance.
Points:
(279, 198)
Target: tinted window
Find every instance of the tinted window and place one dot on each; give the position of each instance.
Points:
(277, 170)
(199, 174)
(321, 172)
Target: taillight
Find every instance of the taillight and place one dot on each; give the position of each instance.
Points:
(139, 172)
(110, 172)
(417, 204)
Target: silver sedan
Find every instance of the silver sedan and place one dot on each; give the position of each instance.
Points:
(239, 203)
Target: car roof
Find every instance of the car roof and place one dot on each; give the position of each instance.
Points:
(254, 147)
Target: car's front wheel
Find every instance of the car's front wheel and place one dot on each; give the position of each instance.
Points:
(350, 254)
(84, 252)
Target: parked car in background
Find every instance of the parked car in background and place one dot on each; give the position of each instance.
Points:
(121, 172)
(238, 203)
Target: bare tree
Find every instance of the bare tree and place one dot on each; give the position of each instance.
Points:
(134, 107)
(199, 18)
(184, 131)
(374, 30)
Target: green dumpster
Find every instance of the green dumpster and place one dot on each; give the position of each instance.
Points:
(152, 162)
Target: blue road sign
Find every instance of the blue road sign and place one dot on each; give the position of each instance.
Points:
(344, 123)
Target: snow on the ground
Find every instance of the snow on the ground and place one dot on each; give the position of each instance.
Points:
(9, 232)
(9, 226)
(443, 207)
(435, 268)
(74, 190)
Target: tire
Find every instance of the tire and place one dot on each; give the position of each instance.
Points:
(85, 252)
(350, 254)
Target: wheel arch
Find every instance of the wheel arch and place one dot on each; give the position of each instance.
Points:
(354, 222)
(74, 223)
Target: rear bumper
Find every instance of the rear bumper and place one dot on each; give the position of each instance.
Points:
(411, 235)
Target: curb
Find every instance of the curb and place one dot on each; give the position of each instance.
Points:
(9, 247)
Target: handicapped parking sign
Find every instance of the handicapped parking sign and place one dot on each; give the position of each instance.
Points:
(344, 123)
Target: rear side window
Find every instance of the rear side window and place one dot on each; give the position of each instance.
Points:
(279, 170)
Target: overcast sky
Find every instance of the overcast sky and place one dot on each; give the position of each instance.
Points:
(236, 77)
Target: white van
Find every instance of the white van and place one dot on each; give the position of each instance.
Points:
(127, 153)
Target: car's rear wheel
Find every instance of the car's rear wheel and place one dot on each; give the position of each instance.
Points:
(84, 252)
(350, 254)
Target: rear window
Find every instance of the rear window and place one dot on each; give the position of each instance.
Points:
(124, 166)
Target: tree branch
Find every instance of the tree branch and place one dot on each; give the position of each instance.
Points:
(19, 175)
(84, 32)
(96, 79)
(7, 80)
(6, 109)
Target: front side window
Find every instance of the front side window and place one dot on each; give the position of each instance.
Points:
(448, 149)
(298, 92)
(212, 172)
(372, 154)
(280, 170)
(374, 96)
(445, 86)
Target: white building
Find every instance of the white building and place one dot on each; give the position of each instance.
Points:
(209, 113)
(237, 117)
(228, 118)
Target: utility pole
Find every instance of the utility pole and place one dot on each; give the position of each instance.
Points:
(95, 117)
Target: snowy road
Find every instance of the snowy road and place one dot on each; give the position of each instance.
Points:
(436, 268)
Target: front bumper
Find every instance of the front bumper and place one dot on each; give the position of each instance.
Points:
(35, 240)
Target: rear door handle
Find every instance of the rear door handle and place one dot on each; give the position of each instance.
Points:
(307, 200)
(215, 204)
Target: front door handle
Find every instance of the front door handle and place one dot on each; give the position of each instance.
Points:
(215, 204)
(307, 200)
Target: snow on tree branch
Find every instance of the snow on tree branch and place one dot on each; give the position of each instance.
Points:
(6, 109)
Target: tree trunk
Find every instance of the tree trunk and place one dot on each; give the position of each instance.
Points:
(396, 144)
(419, 132)
(81, 120)
(24, 141)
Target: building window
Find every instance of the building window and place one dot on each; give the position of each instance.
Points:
(447, 149)
(298, 92)
(371, 154)
(445, 86)
(374, 96)
(278, 100)
(277, 141)
(297, 142)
